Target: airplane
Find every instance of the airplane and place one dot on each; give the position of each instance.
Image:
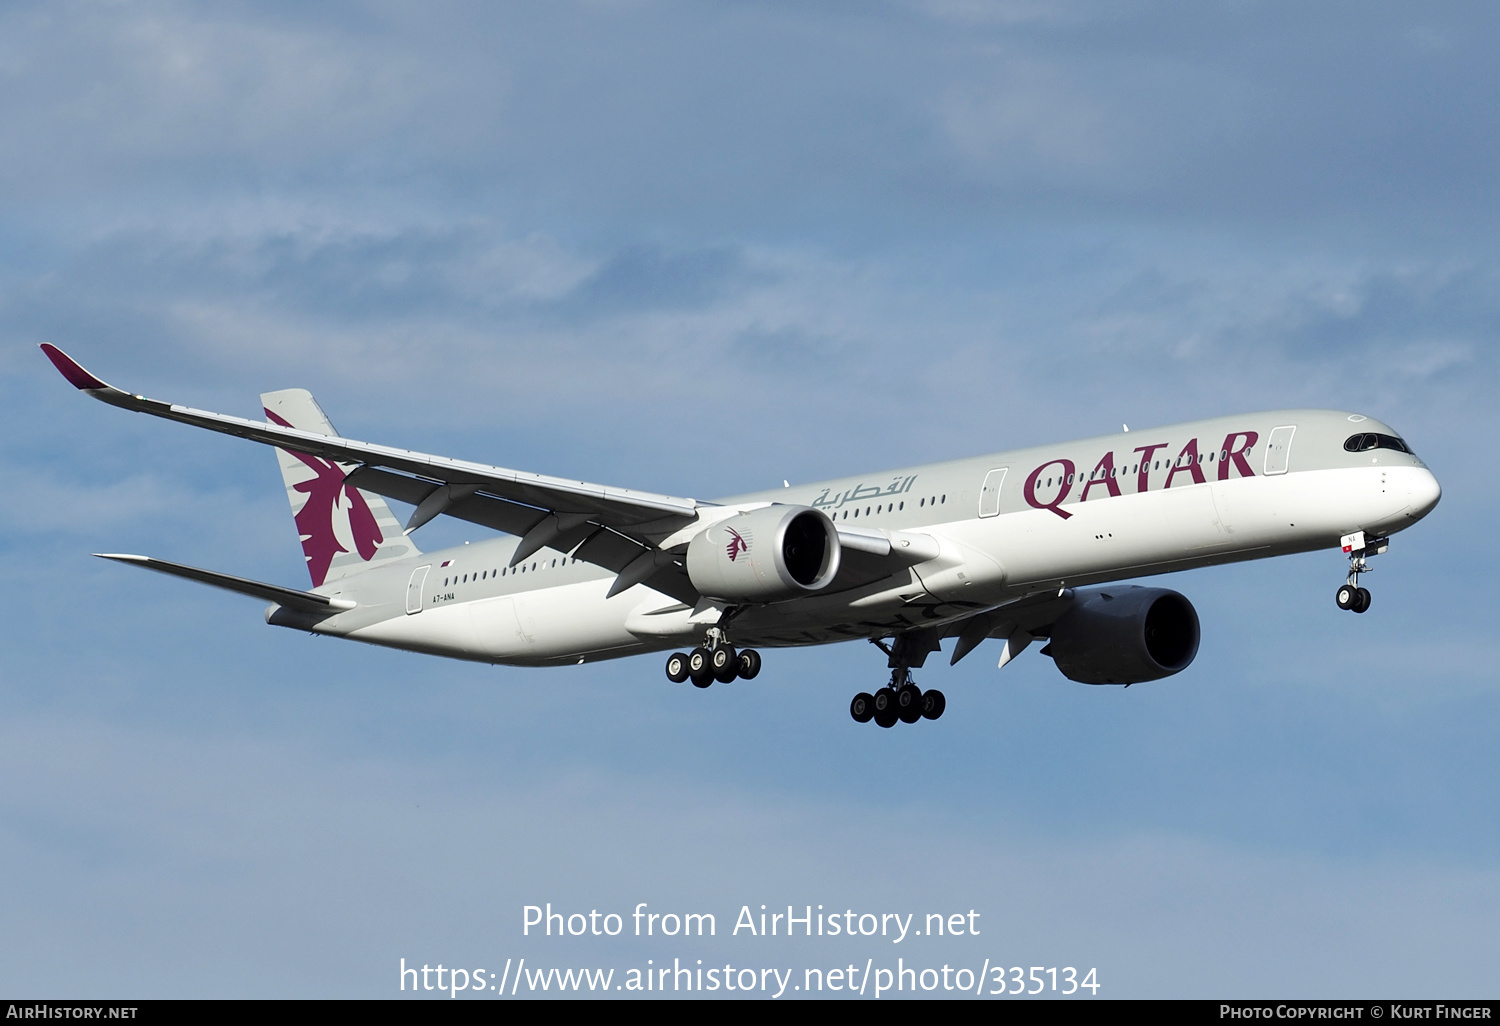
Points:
(1018, 546)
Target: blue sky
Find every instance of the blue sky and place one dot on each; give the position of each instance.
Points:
(699, 249)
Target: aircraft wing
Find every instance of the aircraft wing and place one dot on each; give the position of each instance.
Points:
(616, 528)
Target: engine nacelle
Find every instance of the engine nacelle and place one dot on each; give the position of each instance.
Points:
(776, 552)
(1125, 635)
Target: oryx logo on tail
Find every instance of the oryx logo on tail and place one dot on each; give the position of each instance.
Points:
(323, 513)
(342, 528)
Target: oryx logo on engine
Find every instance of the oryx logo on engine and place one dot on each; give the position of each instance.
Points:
(737, 544)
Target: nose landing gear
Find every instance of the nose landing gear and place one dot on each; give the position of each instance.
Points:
(1358, 548)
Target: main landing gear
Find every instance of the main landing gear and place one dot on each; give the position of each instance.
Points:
(901, 699)
(714, 660)
(1351, 595)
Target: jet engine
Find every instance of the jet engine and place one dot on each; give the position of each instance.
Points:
(767, 554)
(1125, 635)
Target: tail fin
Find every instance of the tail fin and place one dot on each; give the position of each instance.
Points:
(343, 529)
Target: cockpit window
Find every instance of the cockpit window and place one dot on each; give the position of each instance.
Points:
(1359, 443)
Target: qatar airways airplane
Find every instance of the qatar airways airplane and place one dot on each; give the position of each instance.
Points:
(1017, 546)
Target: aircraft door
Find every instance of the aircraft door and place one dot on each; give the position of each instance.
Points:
(1279, 449)
(414, 589)
(989, 495)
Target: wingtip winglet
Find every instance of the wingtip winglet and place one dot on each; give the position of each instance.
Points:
(70, 369)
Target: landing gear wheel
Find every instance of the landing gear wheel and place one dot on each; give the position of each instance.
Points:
(1362, 600)
(909, 703)
(725, 662)
(885, 707)
(1347, 596)
(933, 703)
(863, 707)
(700, 670)
(677, 667)
(750, 665)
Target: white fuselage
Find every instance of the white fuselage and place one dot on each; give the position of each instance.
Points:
(1006, 526)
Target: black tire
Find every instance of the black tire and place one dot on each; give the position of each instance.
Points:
(677, 667)
(725, 662)
(749, 664)
(1347, 596)
(700, 670)
(1363, 601)
(885, 699)
(888, 717)
(933, 704)
(863, 707)
(909, 703)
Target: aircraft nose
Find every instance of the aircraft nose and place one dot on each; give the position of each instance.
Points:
(1422, 493)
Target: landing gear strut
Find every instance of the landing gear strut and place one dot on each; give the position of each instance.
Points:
(1359, 549)
(715, 660)
(901, 699)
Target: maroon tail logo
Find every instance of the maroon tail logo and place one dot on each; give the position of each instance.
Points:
(737, 544)
(320, 542)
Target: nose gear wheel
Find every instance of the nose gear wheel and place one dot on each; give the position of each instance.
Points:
(1350, 595)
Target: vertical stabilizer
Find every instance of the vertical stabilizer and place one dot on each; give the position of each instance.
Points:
(343, 529)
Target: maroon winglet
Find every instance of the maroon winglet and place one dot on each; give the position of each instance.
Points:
(76, 375)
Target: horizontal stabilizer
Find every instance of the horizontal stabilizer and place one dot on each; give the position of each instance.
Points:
(306, 601)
